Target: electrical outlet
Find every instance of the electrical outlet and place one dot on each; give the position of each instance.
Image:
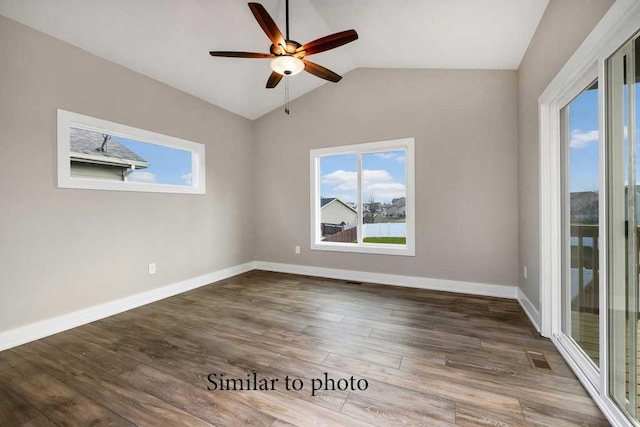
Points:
(297, 250)
(524, 271)
(152, 268)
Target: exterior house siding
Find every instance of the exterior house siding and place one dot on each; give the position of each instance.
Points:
(337, 213)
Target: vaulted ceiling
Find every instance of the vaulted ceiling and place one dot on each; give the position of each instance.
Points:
(169, 40)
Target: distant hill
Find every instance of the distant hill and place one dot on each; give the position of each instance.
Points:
(584, 207)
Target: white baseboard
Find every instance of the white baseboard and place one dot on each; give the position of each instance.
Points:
(41, 329)
(530, 309)
(44, 328)
(502, 291)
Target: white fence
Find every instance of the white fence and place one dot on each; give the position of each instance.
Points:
(389, 229)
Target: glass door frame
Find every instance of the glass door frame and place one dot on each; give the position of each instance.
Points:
(618, 26)
(571, 348)
(566, 339)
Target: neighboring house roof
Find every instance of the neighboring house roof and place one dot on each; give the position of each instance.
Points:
(324, 201)
(86, 146)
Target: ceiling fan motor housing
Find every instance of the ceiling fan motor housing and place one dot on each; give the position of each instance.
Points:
(290, 48)
(285, 63)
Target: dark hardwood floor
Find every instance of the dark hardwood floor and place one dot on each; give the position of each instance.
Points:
(430, 359)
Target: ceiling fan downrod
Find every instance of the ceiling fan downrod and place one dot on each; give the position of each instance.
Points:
(287, 17)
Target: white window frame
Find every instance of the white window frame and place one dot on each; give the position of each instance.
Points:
(406, 144)
(68, 119)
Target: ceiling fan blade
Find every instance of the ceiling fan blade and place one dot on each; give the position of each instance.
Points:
(328, 42)
(268, 25)
(320, 71)
(227, 54)
(274, 79)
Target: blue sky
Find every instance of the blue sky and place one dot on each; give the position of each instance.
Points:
(168, 165)
(583, 142)
(383, 174)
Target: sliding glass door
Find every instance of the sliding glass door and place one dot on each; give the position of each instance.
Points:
(582, 209)
(580, 322)
(623, 213)
(590, 214)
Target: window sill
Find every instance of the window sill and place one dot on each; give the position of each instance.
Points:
(99, 184)
(386, 249)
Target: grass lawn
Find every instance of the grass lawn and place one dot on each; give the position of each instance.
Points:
(388, 240)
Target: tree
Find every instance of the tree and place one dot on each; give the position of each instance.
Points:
(374, 210)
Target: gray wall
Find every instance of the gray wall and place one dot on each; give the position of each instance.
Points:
(62, 249)
(465, 127)
(564, 26)
(476, 169)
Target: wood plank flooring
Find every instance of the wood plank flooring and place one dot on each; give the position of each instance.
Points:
(430, 359)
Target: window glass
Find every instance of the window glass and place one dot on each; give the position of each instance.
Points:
(339, 198)
(384, 197)
(581, 288)
(103, 156)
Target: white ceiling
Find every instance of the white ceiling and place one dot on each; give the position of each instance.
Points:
(169, 40)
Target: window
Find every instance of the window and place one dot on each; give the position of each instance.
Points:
(101, 155)
(362, 198)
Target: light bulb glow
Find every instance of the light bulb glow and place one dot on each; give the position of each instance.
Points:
(287, 65)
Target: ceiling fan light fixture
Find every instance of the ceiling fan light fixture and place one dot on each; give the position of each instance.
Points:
(287, 65)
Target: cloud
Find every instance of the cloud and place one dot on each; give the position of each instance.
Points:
(380, 183)
(186, 178)
(391, 155)
(146, 177)
(341, 180)
(580, 139)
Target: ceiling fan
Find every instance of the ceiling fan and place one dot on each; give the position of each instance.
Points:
(288, 57)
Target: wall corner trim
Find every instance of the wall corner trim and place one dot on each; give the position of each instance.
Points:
(530, 309)
(24, 334)
(484, 289)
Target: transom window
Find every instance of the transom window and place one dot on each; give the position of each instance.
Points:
(362, 198)
(101, 155)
